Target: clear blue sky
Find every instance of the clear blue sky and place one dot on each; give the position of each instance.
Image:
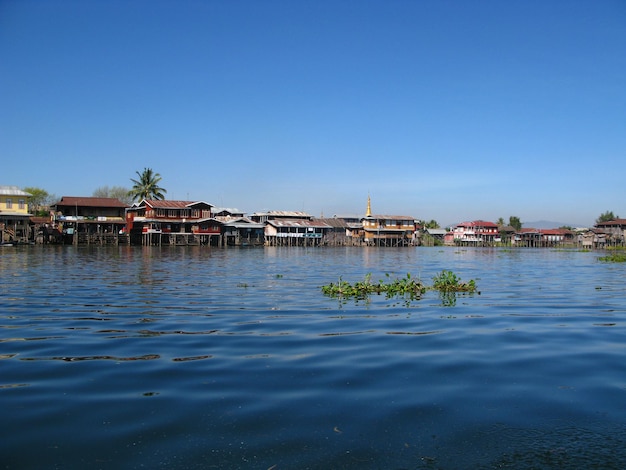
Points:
(446, 110)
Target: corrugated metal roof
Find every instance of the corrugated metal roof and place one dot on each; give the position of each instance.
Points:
(436, 231)
(333, 222)
(390, 217)
(170, 204)
(13, 191)
(227, 210)
(244, 222)
(281, 214)
(298, 223)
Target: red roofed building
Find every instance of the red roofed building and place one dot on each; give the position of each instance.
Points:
(477, 231)
(172, 222)
(544, 237)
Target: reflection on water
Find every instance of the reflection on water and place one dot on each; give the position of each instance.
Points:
(150, 357)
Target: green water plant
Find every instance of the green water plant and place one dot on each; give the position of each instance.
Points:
(447, 281)
(406, 286)
(614, 257)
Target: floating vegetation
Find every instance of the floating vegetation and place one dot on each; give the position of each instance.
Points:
(363, 289)
(615, 257)
(447, 283)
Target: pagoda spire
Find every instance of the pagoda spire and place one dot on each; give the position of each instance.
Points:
(368, 212)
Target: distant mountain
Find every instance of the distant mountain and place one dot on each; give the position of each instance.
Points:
(548, 224)
(542, 224)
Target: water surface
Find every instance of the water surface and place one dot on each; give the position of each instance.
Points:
(146, 357)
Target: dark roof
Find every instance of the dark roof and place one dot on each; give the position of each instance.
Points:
(546, 231)
(612, 223)
(71, 201)
(334, 222)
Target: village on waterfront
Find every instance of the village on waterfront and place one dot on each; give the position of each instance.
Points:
(150, 219)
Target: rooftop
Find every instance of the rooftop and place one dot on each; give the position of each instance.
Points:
(13, 191)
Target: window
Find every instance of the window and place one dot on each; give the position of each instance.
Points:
(9, 203)
(21, 204)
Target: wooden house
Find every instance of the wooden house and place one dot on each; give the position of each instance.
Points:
(593, 238)
(388, 230)
(615, 230)
(14, 216)
(343, 231)
(530, 237)
(295, 232)
(533, 237)
(436, 236)
(158, 222)
(506, 234)
(266, 216)
(556, 236)
(90, 220)
(242, 231)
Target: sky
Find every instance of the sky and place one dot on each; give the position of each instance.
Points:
(451, 110)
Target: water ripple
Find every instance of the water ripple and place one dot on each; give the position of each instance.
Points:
(234, 359)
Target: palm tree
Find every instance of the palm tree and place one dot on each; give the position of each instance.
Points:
(147, 187)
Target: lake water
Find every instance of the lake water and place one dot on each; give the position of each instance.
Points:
(198, 358)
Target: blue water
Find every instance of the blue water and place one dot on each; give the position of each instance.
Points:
(185, 358)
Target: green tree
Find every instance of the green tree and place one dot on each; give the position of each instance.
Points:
(40, 200)
(515, 222)
(500, 222)
(431, 224)
(606, 217)
(147, 186)
(116, 192)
